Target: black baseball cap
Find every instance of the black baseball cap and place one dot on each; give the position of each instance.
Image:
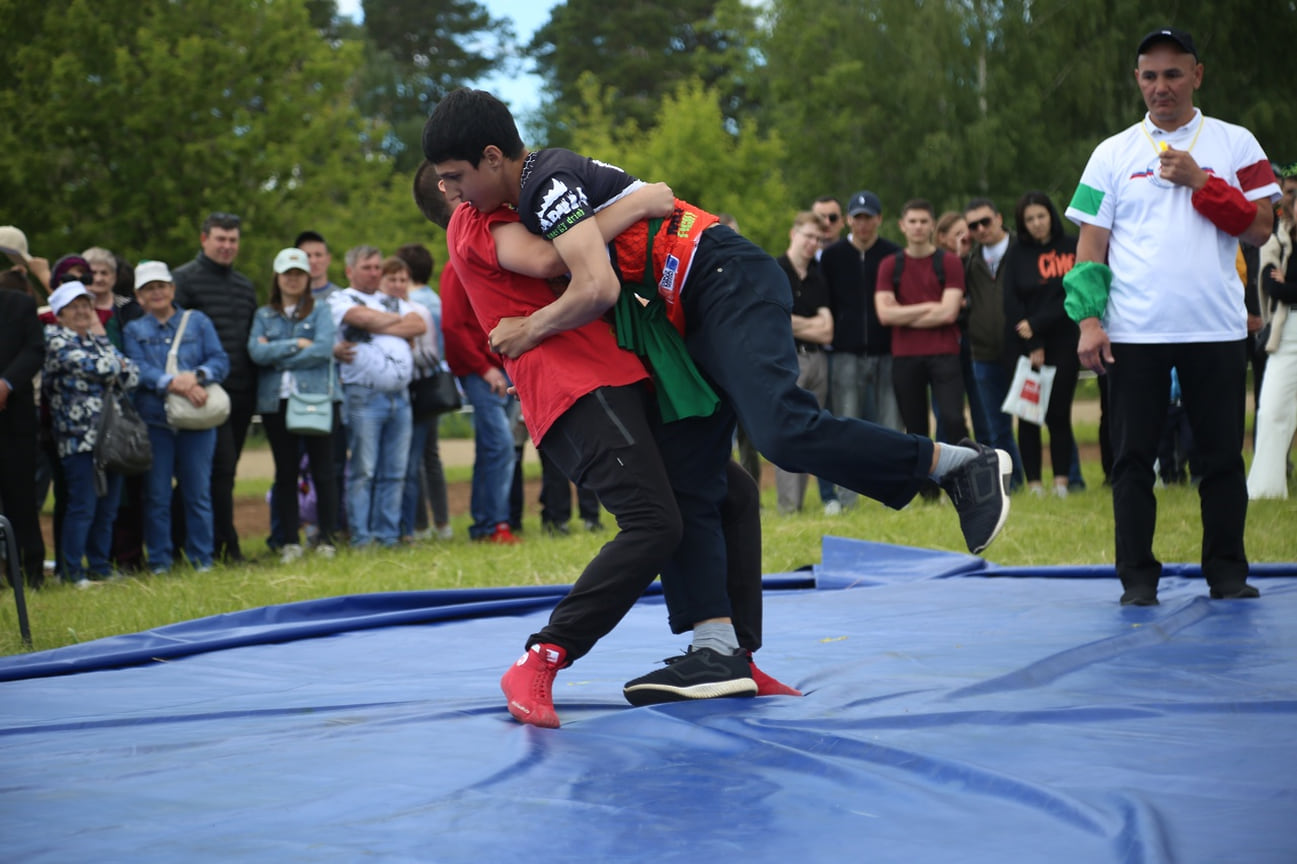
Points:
(864, 202)
(1168, 34)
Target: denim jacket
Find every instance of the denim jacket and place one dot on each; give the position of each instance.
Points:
(147, 343)
(78, 371)
(279, 354)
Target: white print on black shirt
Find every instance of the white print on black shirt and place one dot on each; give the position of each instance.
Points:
(561, 208)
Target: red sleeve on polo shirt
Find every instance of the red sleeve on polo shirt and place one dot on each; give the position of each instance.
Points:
(1256, 175)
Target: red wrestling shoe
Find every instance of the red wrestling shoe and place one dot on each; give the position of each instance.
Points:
(528, 685)
(767, 686)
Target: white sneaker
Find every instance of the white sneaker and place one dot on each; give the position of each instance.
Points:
(326, 550)
(444, 532)
(833, 508)
(1060, 491)
(290, 553)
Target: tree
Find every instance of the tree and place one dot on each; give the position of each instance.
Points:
(640, 52)
(691, 148)
(991, 97)
(877, 95)
(130, 120)
(418, 51)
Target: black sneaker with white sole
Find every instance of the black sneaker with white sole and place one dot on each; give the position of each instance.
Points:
(979, 490)
(698, 674)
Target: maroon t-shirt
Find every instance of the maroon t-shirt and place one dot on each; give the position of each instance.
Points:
(919, 284)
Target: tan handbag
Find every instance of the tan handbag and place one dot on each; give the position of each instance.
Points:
(183, 414)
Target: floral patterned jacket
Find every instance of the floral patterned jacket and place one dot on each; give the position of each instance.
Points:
(78, 371)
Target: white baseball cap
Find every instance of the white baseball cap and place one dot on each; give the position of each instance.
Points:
(292, 258)
(65, 294)
(151, 271)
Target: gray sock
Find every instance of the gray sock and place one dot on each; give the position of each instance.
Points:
(950, 457)
(716, 635)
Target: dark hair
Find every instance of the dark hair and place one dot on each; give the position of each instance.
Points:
(428, 196)
(125, 284)
(419, 260)
(827, 199)
(228, 221)
(14, 280)
(304, 306)
(918, 204)
(309, 237)
(978, 203)
(465, 123)
(1055, 224)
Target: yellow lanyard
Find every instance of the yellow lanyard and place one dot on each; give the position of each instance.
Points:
(1159, 149)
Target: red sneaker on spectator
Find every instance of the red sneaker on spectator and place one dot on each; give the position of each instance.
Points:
(501, 534)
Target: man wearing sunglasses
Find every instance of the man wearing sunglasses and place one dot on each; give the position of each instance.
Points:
(984, 281)
(829, 209)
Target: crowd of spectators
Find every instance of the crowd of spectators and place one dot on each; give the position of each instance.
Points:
(883, 332)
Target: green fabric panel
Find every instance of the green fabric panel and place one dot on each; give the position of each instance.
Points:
(1087, 199)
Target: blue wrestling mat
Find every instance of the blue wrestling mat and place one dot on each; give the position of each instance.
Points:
(956, 711)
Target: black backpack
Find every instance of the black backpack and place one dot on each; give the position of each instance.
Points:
(938, 265)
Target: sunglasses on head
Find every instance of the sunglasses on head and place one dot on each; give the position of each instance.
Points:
(977, 224)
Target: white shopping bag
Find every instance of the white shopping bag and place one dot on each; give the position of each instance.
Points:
(1029, 393)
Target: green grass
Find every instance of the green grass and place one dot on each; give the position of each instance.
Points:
(1040, 532)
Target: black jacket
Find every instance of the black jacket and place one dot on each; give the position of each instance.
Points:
(852, 278)
(227, 297)
(22, 343)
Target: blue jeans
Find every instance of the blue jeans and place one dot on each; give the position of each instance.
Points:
(88, 520)
(186, 455)
(860, 385)
(993, 381)
(493, 456)
(981, 427)
(411, 499)
(378, 433)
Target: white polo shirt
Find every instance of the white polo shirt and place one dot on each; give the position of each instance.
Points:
(1173, 270)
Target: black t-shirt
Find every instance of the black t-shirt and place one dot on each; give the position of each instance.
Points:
(809, 295)
(561, 189)
(851, 278)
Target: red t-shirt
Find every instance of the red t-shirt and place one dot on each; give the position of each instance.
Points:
(919, 285)
(557, 372)
(466, 349)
